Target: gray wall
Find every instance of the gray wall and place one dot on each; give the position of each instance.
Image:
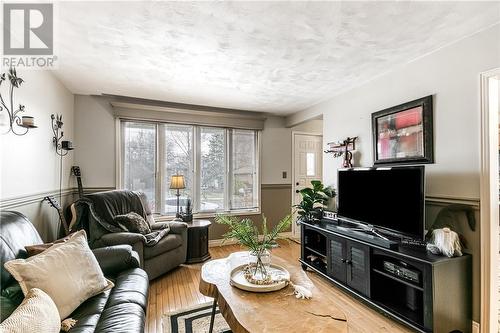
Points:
(276, 201)
(29, 166)
(95, 136)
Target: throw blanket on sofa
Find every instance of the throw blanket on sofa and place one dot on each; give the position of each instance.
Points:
(155, 236)
(104, 206)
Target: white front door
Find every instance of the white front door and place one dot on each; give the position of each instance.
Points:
(307, 166)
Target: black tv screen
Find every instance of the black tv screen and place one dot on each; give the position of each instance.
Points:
(390, 199)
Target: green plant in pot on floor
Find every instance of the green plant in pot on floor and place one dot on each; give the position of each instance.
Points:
(314, 201)
(258, 244)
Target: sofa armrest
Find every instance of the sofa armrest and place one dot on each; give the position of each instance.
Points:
(114, 259)
(159, 225)
(177, 227)
(137, 242)
(119, 238)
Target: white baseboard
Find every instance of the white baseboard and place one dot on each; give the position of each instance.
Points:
(219, 242)
(287, 234)
(475, 327)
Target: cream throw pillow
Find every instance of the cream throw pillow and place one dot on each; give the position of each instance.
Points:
(37, 313)
(68, 272)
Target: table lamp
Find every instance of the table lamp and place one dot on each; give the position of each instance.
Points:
(177, 183)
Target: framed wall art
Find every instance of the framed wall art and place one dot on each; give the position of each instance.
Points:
(403, 134)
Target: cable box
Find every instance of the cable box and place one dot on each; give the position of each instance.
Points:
(329, 215)
(402, 271)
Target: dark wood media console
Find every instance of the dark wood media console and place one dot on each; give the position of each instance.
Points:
(429, 293)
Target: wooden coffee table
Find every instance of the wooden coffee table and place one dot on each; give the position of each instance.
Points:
(277, 311)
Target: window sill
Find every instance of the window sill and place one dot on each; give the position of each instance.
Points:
(207, 215)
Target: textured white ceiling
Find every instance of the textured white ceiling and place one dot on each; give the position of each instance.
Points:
(277, 57)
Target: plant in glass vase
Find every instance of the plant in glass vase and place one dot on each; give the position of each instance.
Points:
(314, 201)
(247, 234)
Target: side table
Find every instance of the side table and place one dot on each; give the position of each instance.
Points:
(197, 250)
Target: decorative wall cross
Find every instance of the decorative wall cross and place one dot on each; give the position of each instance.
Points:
(343, 148)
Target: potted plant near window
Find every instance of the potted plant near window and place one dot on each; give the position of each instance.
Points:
(314, 201)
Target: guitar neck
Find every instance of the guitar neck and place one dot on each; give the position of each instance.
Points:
(63, 220)
(54, 204)
(75, 170)
(80, 187)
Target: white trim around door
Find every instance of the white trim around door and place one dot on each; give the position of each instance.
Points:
(489, 207)
(295, 227)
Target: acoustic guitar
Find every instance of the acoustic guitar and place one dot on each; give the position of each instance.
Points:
(76, 171)
(55, 204)
(71, 211)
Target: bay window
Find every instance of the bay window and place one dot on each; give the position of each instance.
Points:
(139, 143)
(212, 169)
(243, 178)
(220, 165)
(177, 158)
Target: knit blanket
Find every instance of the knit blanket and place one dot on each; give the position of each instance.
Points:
(104, 206)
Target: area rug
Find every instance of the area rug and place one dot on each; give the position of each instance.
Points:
(194, 320)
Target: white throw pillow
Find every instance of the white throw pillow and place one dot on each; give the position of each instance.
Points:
(37, 313)
(68, 272)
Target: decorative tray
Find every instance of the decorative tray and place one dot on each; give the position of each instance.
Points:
(278, 273)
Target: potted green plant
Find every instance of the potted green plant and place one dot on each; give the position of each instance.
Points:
(314, 201)
(247, 234)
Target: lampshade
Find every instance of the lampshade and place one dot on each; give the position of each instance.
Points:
(177, 182)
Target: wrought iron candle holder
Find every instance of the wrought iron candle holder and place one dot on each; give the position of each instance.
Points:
(15, 120)
(62, 147)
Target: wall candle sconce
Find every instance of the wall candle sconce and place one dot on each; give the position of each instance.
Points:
(15, 121)
(62, 147)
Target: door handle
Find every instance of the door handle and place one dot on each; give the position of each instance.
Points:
(297, 183)
(346, 261)
(297, 191)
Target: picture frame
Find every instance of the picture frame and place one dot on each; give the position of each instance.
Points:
(403, 134)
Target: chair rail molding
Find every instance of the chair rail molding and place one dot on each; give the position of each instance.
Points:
(22, 200)
(445, 200)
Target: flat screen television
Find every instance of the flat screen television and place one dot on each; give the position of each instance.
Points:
(387, 199)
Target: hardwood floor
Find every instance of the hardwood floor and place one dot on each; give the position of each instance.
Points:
(179, 289)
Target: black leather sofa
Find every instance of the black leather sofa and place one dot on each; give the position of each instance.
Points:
(121, 309)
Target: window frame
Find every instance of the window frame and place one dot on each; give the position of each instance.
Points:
(120, 154)
(196, 162)
(160, 163)
(230, 170)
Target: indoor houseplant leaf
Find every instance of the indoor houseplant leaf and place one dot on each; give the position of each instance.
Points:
(314, 200)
